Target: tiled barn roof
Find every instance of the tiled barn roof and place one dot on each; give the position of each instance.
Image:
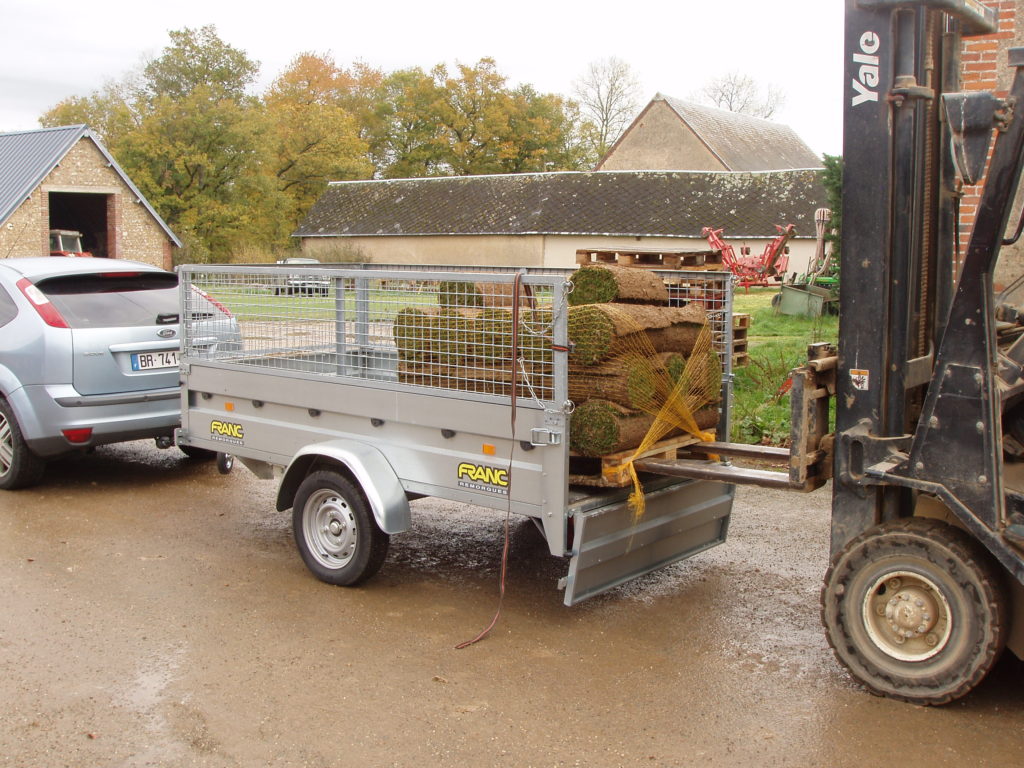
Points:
(742, 142)
(632, 203)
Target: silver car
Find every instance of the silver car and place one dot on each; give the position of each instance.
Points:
(89, 356)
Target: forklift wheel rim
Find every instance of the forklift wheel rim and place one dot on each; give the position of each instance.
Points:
(907, 616)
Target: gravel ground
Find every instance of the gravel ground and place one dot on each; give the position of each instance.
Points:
(157, 614)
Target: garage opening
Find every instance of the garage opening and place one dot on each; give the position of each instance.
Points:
(86, 213)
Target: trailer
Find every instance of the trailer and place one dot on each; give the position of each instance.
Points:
(925, 586)
(355, 411)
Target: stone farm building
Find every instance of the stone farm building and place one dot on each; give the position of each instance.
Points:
(543, 219)
(670, 134)
(64, 178)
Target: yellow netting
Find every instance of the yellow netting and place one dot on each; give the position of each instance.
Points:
(659, 377)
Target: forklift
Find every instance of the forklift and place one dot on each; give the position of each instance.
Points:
(925, 587)
(927, 510)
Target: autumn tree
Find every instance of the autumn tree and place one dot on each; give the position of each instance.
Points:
(109, 111)
(468, 122)
(608, 95)
(226, 169)
(737, 92)
(543, 135)
(404, 136)
(314, 138)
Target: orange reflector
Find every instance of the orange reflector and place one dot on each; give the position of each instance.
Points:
(229, 406)
(489, 449)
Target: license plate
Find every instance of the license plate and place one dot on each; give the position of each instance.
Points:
(145, 361)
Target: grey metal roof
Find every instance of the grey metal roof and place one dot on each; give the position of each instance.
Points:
(742, 142)
(27, 157)
(630, 203)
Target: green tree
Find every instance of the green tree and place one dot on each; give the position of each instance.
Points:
(404, 136)
(833, 181)
(199, 149)
(199, 59)
(197, 160)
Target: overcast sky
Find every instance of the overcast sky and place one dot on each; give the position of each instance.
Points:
(59, 48)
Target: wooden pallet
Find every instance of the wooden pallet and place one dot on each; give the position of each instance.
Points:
(740, 351)
(612, 471)
(706, 259)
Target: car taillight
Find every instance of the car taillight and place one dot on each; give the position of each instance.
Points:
(77, 435)
(213, 301)
(41, 304)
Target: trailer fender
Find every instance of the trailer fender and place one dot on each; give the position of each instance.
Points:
(366, 465)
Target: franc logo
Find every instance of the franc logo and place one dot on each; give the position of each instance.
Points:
(227, 432)
(482, 478)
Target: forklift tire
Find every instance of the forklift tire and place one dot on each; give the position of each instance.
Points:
(335, 531)
(916, 611)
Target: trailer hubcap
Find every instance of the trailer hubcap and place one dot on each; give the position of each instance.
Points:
(907, 616)
(330, 529)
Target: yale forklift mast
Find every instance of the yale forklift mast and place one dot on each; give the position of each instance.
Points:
(926, 583)
(927, 525)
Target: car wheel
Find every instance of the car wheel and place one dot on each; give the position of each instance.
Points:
(197, 454)
(915, 610)
(19, 467)
(335, 531)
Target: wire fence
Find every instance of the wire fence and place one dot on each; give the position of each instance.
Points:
(474, 331)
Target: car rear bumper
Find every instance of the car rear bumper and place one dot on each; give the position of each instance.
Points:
(44, 412)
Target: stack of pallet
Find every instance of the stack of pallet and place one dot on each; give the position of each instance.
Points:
(740, 350)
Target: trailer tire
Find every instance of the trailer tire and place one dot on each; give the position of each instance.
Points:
(19, 467)
(335, 531)
(916, 611)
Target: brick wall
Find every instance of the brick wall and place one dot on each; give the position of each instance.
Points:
(132, 233)
(983, 68)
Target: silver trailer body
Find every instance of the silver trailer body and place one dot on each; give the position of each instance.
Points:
(346, 382)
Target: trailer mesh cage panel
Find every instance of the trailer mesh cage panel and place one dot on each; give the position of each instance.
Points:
(446, 330)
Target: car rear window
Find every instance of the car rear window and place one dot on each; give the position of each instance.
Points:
(114, 300)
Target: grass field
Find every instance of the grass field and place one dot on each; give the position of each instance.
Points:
(777, 344)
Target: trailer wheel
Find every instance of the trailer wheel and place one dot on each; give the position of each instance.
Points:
(19, 467)
(336, 533)
(915, 610)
